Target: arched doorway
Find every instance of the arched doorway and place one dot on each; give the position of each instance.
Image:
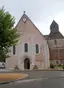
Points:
(26, 63)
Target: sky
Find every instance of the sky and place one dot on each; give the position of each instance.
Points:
(41, 12)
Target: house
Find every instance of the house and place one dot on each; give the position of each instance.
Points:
(32, 49)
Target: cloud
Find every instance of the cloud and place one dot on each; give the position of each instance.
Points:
(41, 12)
(60, 20)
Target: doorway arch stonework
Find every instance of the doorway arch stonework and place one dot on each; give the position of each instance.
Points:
(22, 62)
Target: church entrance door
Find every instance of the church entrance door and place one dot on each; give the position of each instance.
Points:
(26, 63)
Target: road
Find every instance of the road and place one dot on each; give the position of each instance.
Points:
(43, 74)
(44, 79)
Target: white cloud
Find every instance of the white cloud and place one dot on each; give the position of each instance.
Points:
(43, 27)
(60, 20)
(41, 12)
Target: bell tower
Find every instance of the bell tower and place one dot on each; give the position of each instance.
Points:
(54, 27)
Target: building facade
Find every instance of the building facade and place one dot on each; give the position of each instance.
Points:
(55, 42)
(32, 49)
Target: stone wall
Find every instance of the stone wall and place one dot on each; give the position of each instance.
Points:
(56, 49)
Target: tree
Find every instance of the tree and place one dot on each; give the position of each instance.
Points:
(8, 34)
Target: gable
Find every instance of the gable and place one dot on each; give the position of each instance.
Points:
(27, 27)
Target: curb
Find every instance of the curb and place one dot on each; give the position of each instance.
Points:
(40, 70)
(33, 70)
(6, 82)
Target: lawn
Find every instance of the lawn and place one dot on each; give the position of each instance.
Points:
(10, 76)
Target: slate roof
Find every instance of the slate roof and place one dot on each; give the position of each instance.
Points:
(54, 33)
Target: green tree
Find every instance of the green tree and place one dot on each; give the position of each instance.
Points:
(8, 34)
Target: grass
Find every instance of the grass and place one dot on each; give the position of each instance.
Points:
(10, 76)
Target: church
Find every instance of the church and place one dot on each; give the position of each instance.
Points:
(55, 42)
(32, 49)
(35, 50)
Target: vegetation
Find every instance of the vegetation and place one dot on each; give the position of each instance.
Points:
(60, 66)
(8, 34)
(16, 68)
(63, 66)
(35, 67)
(51, 65)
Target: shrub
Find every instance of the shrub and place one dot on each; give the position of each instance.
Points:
(63, 66)
(16, 68)
(51, 65)
(60, 66)
(35, 67)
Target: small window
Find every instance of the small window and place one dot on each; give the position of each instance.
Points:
(37, 48)
(26, 47)
(55, 42)
(54, 26)
(14, 50)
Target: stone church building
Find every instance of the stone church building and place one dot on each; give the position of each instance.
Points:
(55, 42)
(32, 49)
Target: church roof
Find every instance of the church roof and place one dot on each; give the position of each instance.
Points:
(27, 18)
(46, 36)
(23, 16)
(54, 32)
(56, 35)
(54, 23)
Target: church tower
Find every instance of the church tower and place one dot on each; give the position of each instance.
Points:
(54, 27)
(54, 31)
(56, 44)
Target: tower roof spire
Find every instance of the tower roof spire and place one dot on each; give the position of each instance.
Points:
(24, 12)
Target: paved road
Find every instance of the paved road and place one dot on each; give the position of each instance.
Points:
(43, 74)
(44, 83)
(49, 79)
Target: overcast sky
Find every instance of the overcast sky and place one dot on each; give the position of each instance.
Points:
(41, 12)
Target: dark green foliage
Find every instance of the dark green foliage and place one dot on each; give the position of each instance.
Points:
(51, 65)
(8, 34)
(59, 65)
(63, 66)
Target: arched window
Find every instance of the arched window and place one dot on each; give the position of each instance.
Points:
(14, 50)
(26, 47)
(37, 48)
